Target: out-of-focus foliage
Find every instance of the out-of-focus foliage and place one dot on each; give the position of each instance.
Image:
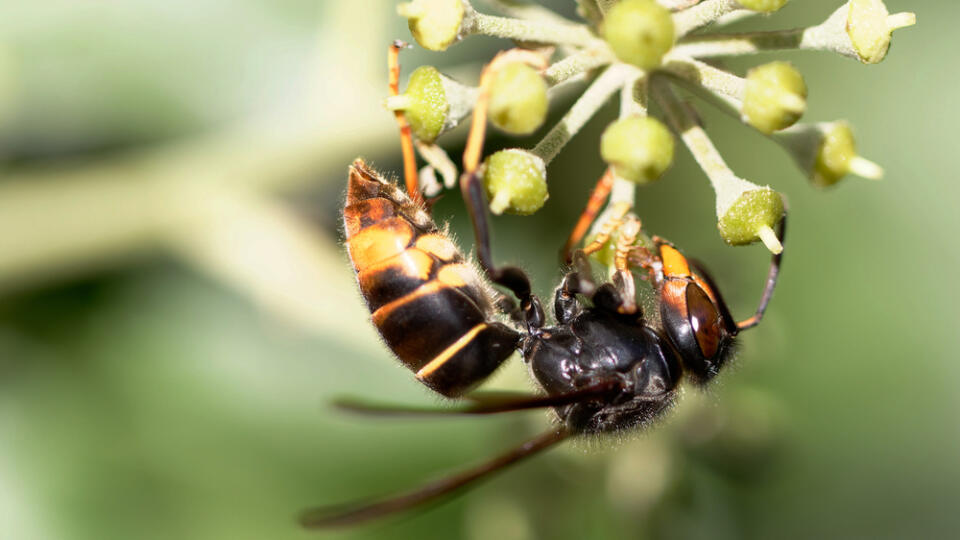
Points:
(176, 310)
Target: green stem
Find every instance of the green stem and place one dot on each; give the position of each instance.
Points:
(526, 10)
(526, 30)
(623, 191)
(633, 97)
(575, 64)
(727, 186)
(703, 74)
(702, 14)
(696, 139)
(724, 103)
(830, 35)
(801, 141)
(589, 103)
(739, 44)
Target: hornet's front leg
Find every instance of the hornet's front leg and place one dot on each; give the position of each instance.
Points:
(579, 280)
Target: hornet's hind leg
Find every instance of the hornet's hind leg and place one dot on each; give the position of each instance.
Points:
(510, 277)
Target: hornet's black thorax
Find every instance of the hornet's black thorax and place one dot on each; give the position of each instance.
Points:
(598, 345)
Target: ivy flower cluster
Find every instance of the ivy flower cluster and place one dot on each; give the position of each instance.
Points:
(641, 50)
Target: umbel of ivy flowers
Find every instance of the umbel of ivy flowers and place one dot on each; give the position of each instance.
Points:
(645, 50)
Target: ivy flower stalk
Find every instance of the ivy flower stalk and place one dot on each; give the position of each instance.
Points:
(746, 212)
(438, 24)
(859, 29)
(771, 97)
(630, 48)
(825, 152)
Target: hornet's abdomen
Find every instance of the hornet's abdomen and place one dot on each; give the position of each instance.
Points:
(427, 302)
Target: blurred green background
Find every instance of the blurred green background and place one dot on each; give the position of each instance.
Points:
(176, 309)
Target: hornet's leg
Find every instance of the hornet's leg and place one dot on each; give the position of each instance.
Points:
(623, 279)
(596, 200)
(577, 281)
(406, 137)
(326, 517)
(642, 257)
(506, 305)
(772, 275)
(510, 277)
(613, 223)
(620, 296)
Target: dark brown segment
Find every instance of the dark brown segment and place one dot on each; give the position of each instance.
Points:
(363, 183)
(379, 242)
(704, 320)
(395, 277)
(706, 288)
(676, 322)
(473, 362)
(422, 324)
(360, 215)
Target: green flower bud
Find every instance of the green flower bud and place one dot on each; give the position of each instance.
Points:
(639, 148)
(763, 6)
(435, 24)
(827, 152)
(747, 212)
(518, 99)
(775, 97)
(433, 103)
(836, 154)
(870, 27)
(640, 32)
(516, 182)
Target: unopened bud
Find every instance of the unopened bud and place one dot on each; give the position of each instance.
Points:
(518, 99)
(639, 148)
(640, 32)
(435, 24)
(747, 212)
(827, 152)
(870, 27)
(516, 182)
(860, 29)
(774, 97)
(433, 103)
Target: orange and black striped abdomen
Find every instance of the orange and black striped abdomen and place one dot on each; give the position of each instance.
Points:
(427, 301)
